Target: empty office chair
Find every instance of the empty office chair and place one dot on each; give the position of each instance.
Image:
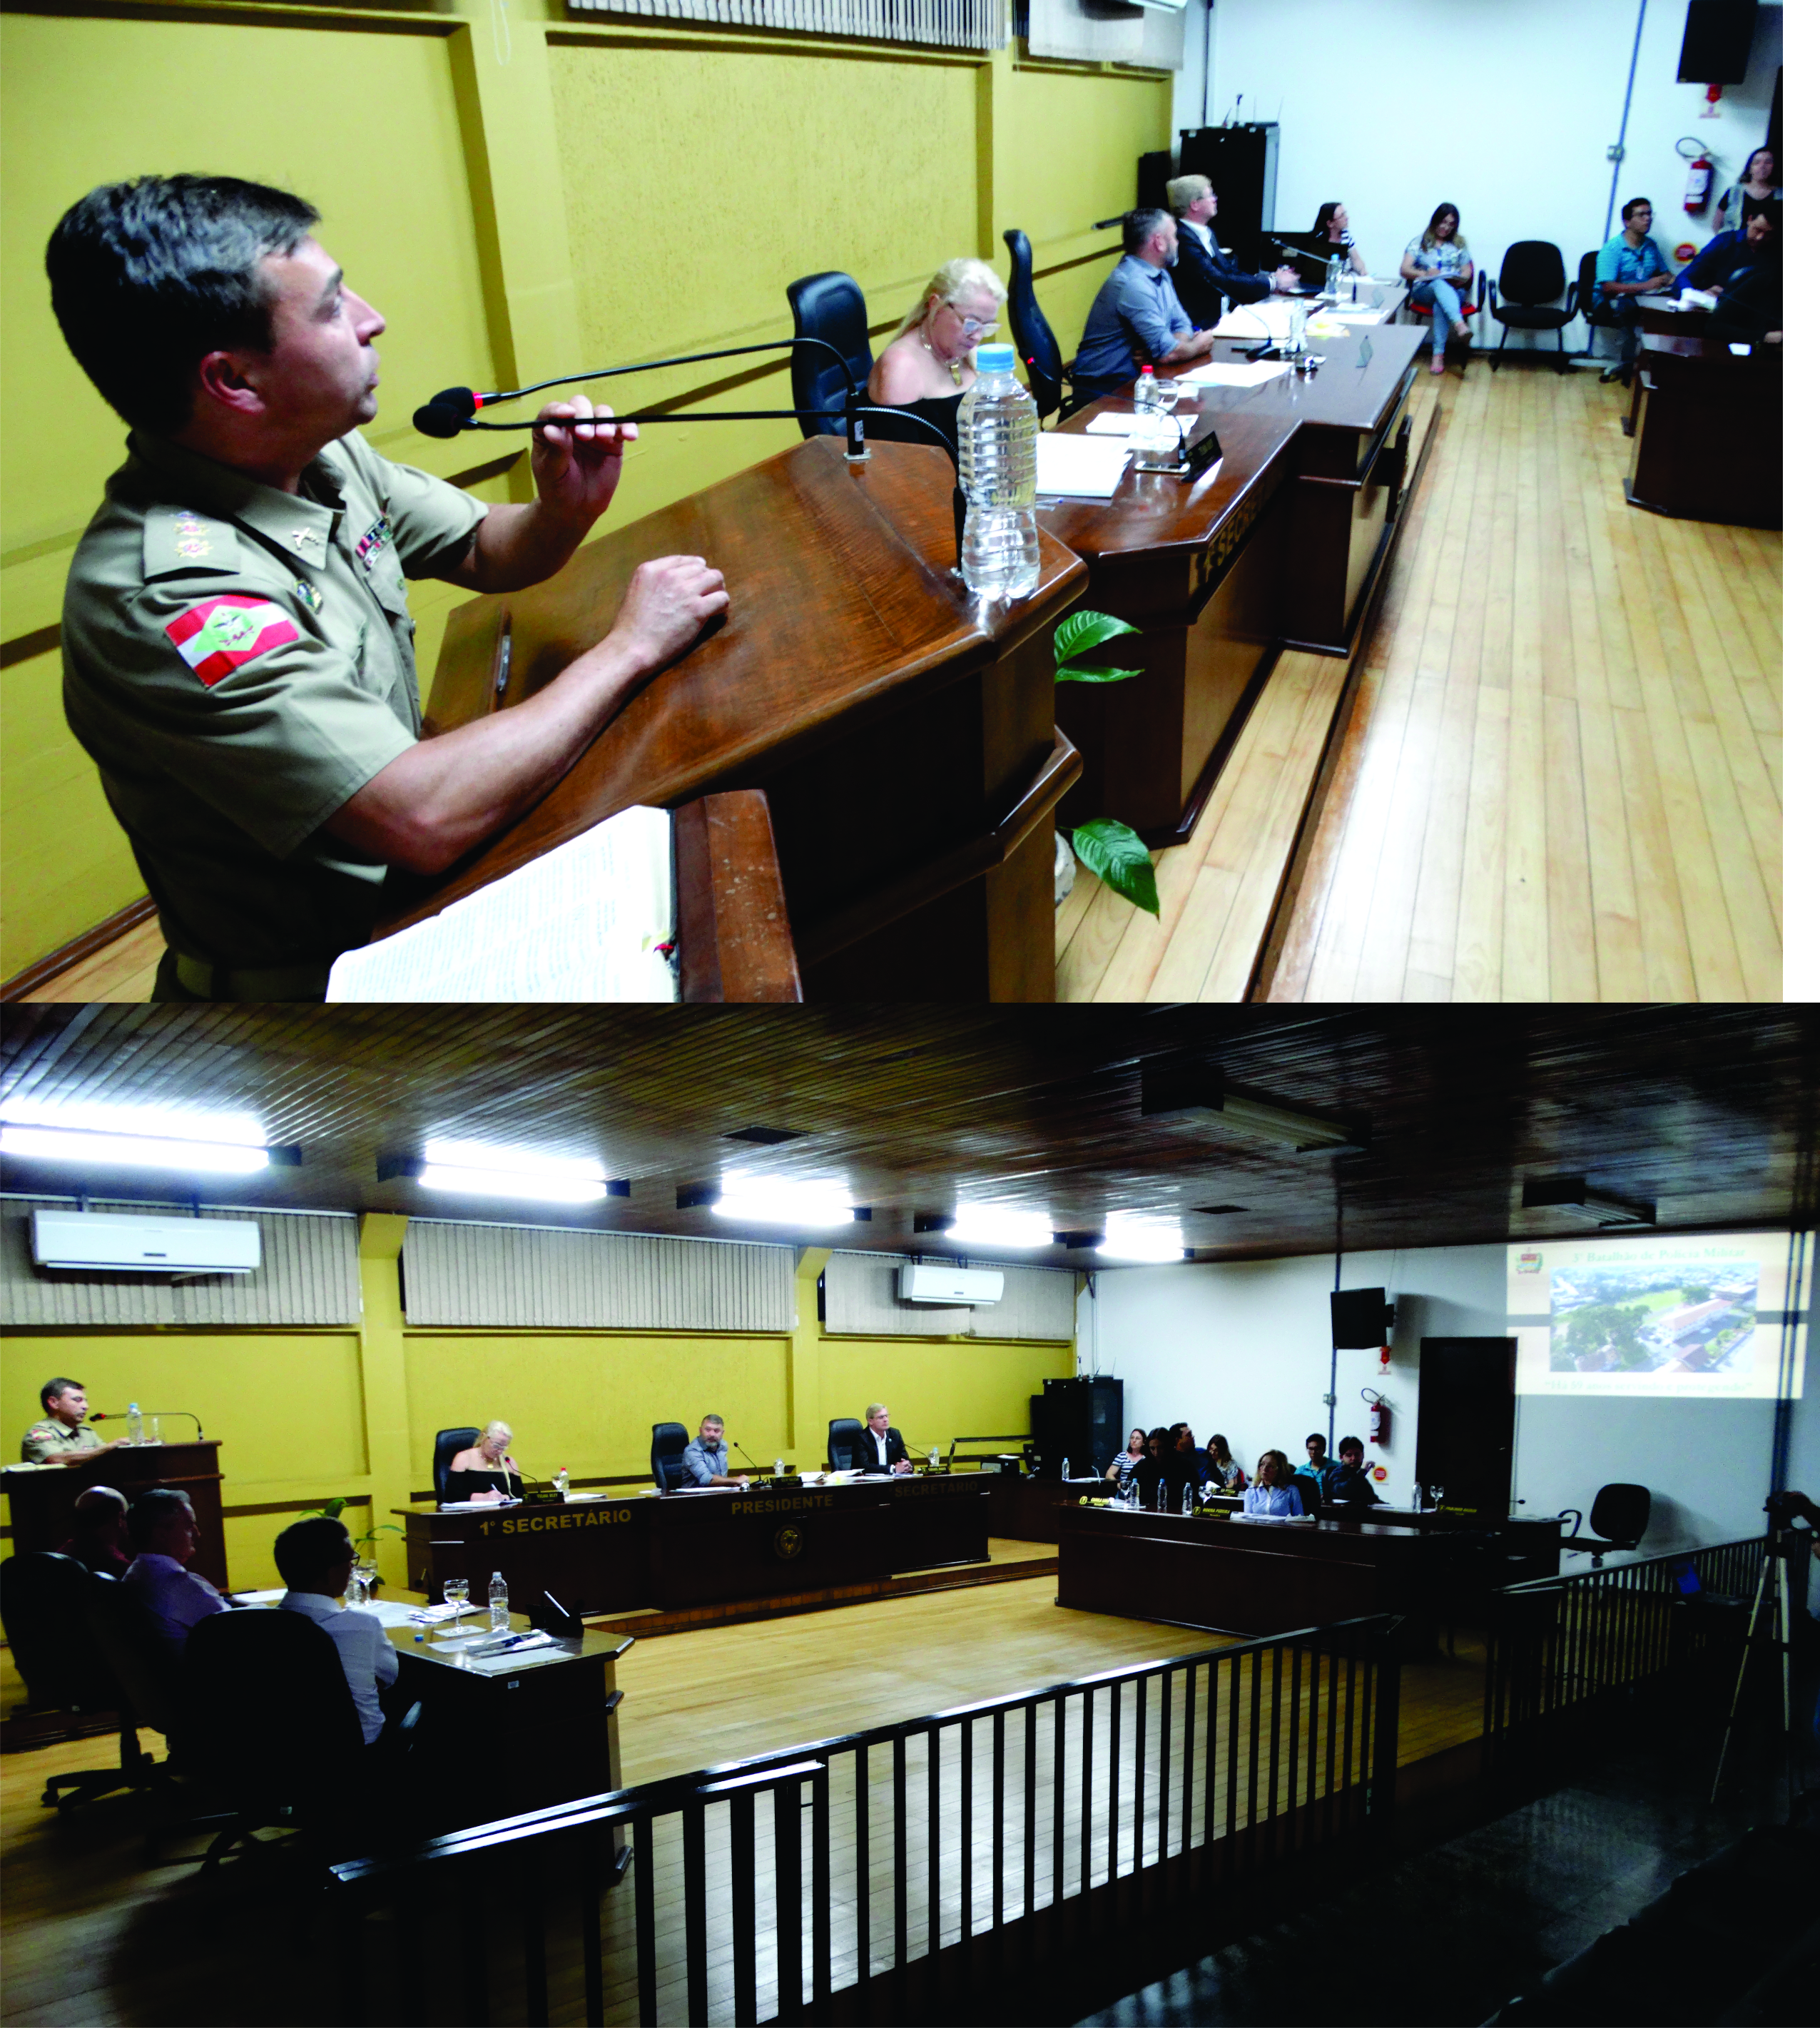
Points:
(830, 307)
(45, 1600)
(1620, 1516)
(1030, 332)
(1590, 304)
(1526, 295)
(669, 1441)
(450, 1444)
(270, 1729)
(844, 1433)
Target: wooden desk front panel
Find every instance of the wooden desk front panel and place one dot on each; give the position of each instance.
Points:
(1030, 1510)
(1184, 1572)
(594, 1556)
(945, 1518)
(708, 1548)
(40, 1502)
(1707, 444)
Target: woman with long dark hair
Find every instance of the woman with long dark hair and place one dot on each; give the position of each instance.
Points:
(1438, 264)
(1334, 230)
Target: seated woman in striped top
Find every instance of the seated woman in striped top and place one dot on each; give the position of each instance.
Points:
(1331, 225)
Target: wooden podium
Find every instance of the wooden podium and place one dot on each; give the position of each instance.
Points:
(903, 732)
(41, 1499)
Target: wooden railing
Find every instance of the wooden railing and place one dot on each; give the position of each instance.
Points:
(938, 1857)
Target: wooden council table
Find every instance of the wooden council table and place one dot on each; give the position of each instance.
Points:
(1281, 543)
(1706, 438)
(715, 1546)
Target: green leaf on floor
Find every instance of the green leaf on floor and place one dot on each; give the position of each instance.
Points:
(1117, 855)
(1079, 634)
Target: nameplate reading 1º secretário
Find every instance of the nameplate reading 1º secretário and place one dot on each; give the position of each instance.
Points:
(548, 1524)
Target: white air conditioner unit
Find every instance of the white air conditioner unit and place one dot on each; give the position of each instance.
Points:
(94, 1243)
(939, 1282)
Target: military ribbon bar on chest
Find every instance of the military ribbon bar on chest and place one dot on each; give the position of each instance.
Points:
(372, 542)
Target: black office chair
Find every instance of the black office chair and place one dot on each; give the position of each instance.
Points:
(669, 1441)
(270, 1729)
(1620, 1517)
(844, 1434)
(1591, 305)
(45, 1603)
(1029, 329)
(830, 307)
(1530, 282)
(450, 1444)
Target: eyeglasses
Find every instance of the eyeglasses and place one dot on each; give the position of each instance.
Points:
(976, 327)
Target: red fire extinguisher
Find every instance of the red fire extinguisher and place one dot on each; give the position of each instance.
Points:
(1699, 183)
(1379, 1420)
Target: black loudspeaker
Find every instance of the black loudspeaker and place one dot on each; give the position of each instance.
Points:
(1240, 163)
(1715, 48)
(1081, 1420)
(1361, 1320)
(1153, 174)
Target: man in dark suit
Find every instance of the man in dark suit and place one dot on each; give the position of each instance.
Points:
(879, 1447)
(1202, 273)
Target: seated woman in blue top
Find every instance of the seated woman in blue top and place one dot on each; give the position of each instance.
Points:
(1441, 268)
(1629, 264)
(1274, 1492)
(928, 364)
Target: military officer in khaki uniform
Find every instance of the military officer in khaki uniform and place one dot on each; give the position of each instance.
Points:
(64, 1436)
(236, 634)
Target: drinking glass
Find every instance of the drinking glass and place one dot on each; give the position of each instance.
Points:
(154, 1433)
(356, 1593)
(367, 1569)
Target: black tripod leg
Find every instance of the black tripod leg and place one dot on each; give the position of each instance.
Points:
(1743, 1665)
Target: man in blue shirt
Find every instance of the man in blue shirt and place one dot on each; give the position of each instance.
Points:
(1136, 316)
(705, 1460)
(1629, 265)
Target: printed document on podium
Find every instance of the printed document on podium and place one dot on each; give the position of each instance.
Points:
(584, 922)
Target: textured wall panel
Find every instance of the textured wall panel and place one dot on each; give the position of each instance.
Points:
(954, 24)
(861, 1291)
(308, 1274)
(521, 1276)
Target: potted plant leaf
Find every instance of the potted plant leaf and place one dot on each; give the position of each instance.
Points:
(1107, 847)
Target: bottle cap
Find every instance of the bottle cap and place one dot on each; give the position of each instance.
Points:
(996, 358)
(1142, 371)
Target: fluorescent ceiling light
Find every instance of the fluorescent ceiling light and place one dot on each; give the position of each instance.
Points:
(1190, 1084)
(995, 1225)
(137, 1136)
(1130, 1238)
(473, 1169)
(1300, 1131)
(1571, 1197)
(777, 1200)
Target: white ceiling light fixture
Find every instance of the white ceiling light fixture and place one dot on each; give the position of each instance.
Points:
(1186, 1084)
(473, 1168)
(998, 1225)
(780, 1200)
(146, 1136)
(1130, 1237)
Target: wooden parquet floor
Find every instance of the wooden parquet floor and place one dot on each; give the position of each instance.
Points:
(1560, 777)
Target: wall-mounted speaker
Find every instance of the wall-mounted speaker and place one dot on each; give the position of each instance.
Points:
(1362, 1319)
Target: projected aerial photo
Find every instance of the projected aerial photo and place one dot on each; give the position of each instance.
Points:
(1679, 1319)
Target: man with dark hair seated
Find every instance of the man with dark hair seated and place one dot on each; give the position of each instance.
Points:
(1136, 315)
(161, 1525)
(98, 1530)
(1351, 1483)
(316, 1559)
(236, 637)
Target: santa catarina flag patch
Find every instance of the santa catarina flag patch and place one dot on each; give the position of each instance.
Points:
(221, 635)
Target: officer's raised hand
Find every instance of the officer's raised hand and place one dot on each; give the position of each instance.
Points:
(576, 457)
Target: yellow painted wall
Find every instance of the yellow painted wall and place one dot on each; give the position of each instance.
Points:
(522, 193)
(305, 1416)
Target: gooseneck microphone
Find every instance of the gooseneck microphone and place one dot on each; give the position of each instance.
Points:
(454, 410)
(146, 1415)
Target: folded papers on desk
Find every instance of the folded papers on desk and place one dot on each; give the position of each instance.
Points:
(1086, 467)
(583, 922)
(1236, 372)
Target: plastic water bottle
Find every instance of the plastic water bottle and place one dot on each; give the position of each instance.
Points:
(498, 1612)
(136, 1424)
(562, 1482)
(1066, 1474)
(999, 555)
(1188, 1499)
(1336, 268)
(777, 1469)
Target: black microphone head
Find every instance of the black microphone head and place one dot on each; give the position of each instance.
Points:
(446, 414)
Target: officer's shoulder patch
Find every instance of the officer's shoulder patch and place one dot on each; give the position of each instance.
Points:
(219, 635)
(178, 539)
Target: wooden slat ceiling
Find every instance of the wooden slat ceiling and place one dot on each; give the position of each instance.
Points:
(1704, 1112)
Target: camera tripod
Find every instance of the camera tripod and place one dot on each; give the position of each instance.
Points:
(1784, 1545)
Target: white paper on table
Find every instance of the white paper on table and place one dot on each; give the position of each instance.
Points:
(1084, 466)
(1255, 319)
(582, 922)
(1237, 372)
(1110, 425)
(1688, 299)
(388, 1612)
(1355, 315)
(257, 1597)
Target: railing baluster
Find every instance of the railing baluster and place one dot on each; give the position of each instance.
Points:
(1188, 1689)
(998, 1821)
(900, 1854)
(644, 1912)
(593, 1990)
(1276, 1735)
(530, 1909)
(1086, 1800)
(1058, 1783)
(934, 1839)
(822, 1935)
(1355, 1775)
(1234, 1698)
(695, 1908)
(1298, 1827)
(1114, 1745)
(966, 1831)
(1029, 1906)
(863, 1872)
(786, 1823)
(1251, 1800)
(1165, 1720)
(743, 1859)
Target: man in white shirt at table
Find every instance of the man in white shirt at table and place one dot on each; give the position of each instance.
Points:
(879, 1447)
(316, 1559)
